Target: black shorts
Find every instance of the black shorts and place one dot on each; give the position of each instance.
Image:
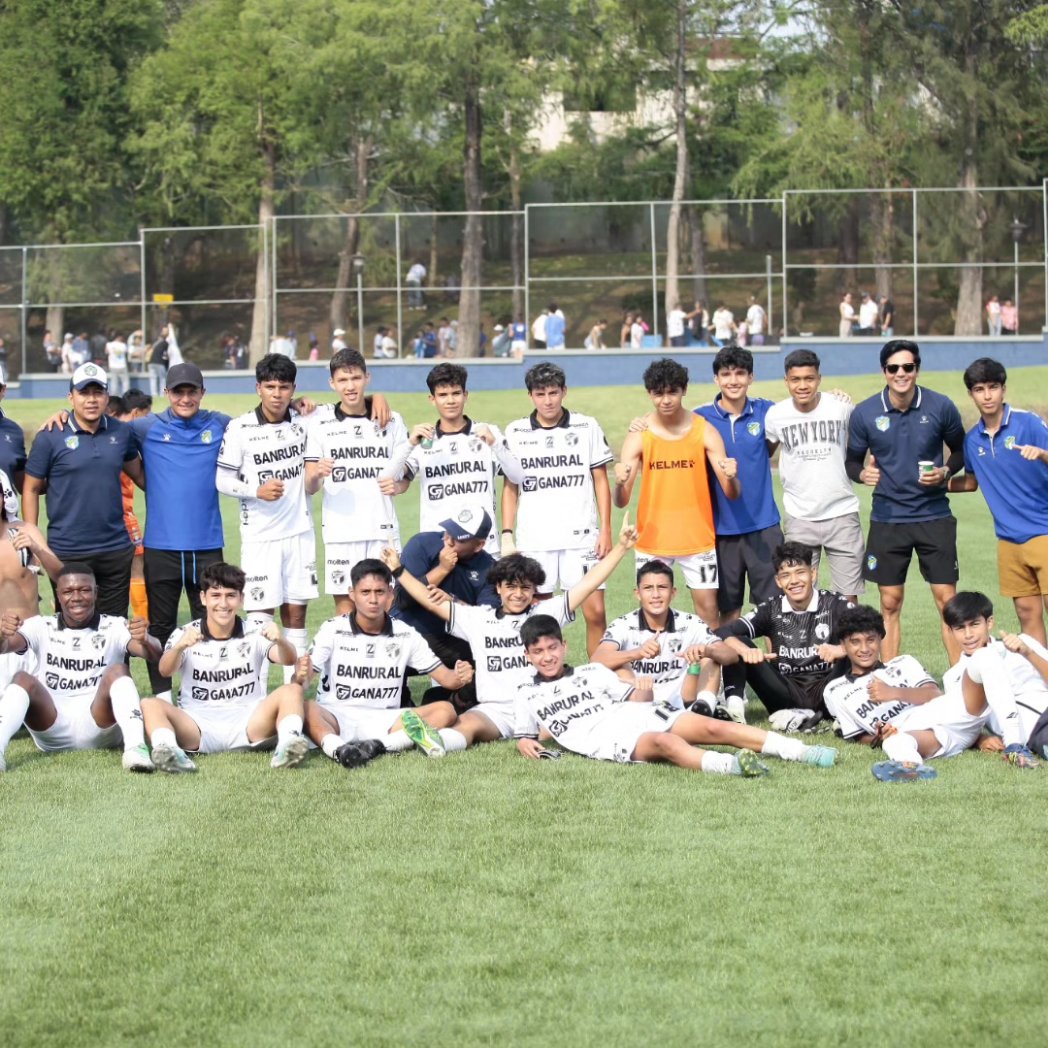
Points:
(890, 547)
(742, 555)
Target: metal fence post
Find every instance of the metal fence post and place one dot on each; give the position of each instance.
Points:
(785, 266)
(527, 274)
(25, 300)
(913, 196)
(654, 274)
(400, 301)
(142, 286)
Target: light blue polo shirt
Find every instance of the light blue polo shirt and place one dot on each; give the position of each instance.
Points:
(1016, 490)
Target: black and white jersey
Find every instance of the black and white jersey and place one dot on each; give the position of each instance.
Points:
(258, 451)
(222, 672)
(571, 707)
(557, 508)
(71, 661)
(848, 700)
(355, 510)
(367, 669)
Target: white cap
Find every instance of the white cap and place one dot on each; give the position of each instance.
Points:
(88, 375)
(499, 327)
(338, 332)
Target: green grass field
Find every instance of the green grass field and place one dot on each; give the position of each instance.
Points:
(487, 899)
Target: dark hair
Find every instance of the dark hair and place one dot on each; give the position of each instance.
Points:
(446, 375)
(348, 360)
(75, 567)
(542, 376)
(801, 358)
(733, 356)
(985, 369)
(369, 566)
(655, 567)
(222, 576)
(792, 553)
(517, 568)
(275, 367)
(116, 407)
(136, 400)
(900, 345)
(665, 374)
(538, 626)
(860, 619)
(966, 606)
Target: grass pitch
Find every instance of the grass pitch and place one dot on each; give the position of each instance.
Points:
(486, 898)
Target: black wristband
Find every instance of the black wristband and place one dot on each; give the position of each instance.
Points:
(507, 531)
(398, 572)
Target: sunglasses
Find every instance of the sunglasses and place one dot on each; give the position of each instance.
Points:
(893, 369)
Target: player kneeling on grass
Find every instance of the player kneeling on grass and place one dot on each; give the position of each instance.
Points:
(222, 702)
(363, 658)
(590, 711)
(85, 698)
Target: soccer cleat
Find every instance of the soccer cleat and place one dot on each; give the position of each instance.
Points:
(291, 752)
(750, 765)
(819, 756)
(1020, 756)
(902, 771)
(136, 758)
(735, 707)
(792, 721)
(423, 735)
(357, 754)
(172, 759)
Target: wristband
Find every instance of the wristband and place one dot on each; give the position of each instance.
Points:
(695, 669)
(398, 572)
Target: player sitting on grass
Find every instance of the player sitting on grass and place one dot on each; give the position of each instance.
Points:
(363, 658)
(84, 698)
(494, 633)
(222, 701)
(590, 711)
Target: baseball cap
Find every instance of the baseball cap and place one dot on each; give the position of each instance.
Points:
(185, 375)
(338, 332)
(471, 522)
(88, 375)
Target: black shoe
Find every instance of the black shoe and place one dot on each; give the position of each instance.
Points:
(357, 754)
(702, 708)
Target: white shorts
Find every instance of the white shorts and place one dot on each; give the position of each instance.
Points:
(75, 729)
(699, 569)
(363, 722)
(955, 728)
(283, 571)
(11, 663)
(615, 738)
(563, 567)
(500, 714)
(225, 728)
(341, 557)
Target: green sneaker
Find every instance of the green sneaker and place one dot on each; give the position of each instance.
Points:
(290, 753)
(750, 765)
(172, 759)
(136, 758)
(819, 756)
(427, 739)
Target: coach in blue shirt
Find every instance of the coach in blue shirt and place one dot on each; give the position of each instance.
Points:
(901, 426)
(77, 466)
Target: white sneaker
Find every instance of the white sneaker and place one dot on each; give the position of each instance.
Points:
(293, 751)
(172, 759)
(735, 707)
(136, 758)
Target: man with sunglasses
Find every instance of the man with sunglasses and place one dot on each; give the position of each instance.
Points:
(903, 429)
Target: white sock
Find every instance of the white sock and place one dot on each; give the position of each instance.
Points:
(14, 705)
(123, 697)
(300, 639)
(330, 743)
(986, 667)
(454, 741)
(784, 748)
(163, 737)
(255, 620)
(289, 725)
(902, 746)
(397, 740)
(720, 763)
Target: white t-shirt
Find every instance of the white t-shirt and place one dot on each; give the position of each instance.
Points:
(755, 319)
(557, 508)
(636, 335)
(116, 355)
(355, 510)
(856, 713)
(416, 274)
(538, 328)
(723, 323)
(221, 674)
(868, 314)
(675, 322)
(815, 485)
(71, 662)
(257, 451)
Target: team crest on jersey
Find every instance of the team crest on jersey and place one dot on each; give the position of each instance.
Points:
(753, 428)
(822, 631)
(392, 649)
(674, 644)
(257, 593)
(72, 443)
(98, 642)
(338, 578)
(882, 422)
(571, 439)
(243, 648)
(206, 437)
(871, 562)
(1009, 442)
(475, 444)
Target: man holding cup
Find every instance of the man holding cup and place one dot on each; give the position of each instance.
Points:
(903, 429)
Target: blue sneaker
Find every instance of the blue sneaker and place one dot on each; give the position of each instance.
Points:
(1020, 756)
(819, 756)
(902, 771)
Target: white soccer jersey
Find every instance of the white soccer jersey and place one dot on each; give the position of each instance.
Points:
(257, 451)
(813, 446)
(366, 669)
(847, 698)
(556, 508)
(682, 630)
(458, 470)
(354, 507)
(571, 708)
(71, 662)
(222, 673)
(494, 637)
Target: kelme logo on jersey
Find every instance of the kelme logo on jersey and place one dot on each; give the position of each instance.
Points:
(882, 422)
(72, 443)
(753, 428)
(871, 562)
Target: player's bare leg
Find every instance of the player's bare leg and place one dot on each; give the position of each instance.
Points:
(1030, 611)
(705, 603)
(596, 620)
(665, 746)
(281, 713)
(891, 610)
(475, 727)
(707, 731)
(435, 714)
(171, 732)
(941, 594)
(293, 619)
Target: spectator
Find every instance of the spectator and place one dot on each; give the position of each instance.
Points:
(52, 352)
(846, 328)
(116, 357)
(637, 329)
(887, 317)
(415, 275)
(389, 344)
(518, 331)
(555, 328)
(68, 354)
(81, 350)
(757, 321)
(624, 333)
(595, 338)
(676, 324)
(159, 358)
(500, 343)
(723, 325)
(993, 317)
(314, 346)
(442, 337)
(538, 330)
(700, 324)
(337, 343)
(1009, 318)
(869, 314)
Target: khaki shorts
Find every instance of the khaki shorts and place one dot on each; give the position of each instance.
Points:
(1022, 567)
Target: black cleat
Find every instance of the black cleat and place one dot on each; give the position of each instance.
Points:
(357, 754)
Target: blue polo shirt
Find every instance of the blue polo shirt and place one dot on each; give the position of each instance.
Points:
(899, 440)
(468, 581)
(554, 331)
(85, 509)
(180, 458)
(12, 446)
(1016, 490)
(744, 441)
